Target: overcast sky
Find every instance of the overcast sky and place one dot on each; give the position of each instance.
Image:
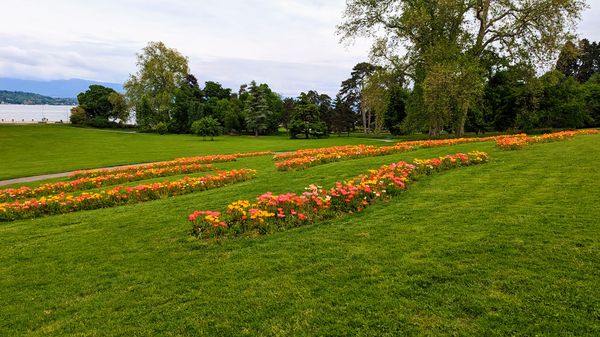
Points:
(289, 44)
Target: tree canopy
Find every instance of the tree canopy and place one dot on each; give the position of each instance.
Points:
(443, 47)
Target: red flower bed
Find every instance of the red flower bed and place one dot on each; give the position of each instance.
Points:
(271, 212)
(120, 195)
(86, 183)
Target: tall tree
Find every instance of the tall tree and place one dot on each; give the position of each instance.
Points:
(161, 70)
(186, 106)
(352, 89)
(257, 109)
(413, 35)
(343, 118)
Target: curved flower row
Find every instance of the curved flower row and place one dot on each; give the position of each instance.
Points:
(86, 183)
(120, 195)
(522, 141)
(271, 212)
(219, 158)
(304, 159)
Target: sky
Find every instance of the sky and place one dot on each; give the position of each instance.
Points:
(289, 44)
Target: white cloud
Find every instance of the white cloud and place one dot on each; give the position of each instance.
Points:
(290, 44)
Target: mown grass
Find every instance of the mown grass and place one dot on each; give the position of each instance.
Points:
(28, 150)
(506, 248)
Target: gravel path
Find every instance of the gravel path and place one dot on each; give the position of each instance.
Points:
(54, 175)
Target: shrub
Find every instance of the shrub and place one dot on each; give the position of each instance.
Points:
(78, 115)
(207, 127)
(161, 128)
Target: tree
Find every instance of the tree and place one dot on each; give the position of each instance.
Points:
(562, 104)
(287, 111)
(415, 36)
(216, 90)
(161, 71)
(397, 98)
(95, 101)
(343, 116)
(568, 59)
(512, 94)
(305, 119)
(207, 127)
(186, 106)
(352, 90)
(257, 109)
(120, 110)
(592, 99)
(262, 107)
(78, 115)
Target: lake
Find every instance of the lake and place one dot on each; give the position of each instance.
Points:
(17, 113)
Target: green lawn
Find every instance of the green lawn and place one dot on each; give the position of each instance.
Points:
(511, 247)
(28, 150)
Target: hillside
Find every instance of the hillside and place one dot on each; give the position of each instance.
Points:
(19, 97)
(56, 88)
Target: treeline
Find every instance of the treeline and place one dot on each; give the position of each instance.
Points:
(19, 97)
(514, 97)
(165, 98)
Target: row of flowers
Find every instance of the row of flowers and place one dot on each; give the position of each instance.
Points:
(219, 158)
(120, 195)
(86, 183)
(304, 159)
(522, 141)
(271, 212)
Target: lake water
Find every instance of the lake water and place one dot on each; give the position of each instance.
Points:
(16, 113)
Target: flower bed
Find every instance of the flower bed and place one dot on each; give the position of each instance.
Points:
(522, 141)
(64, 203)
(271, 212)
(304, 159)
(86, 183)
(219, 158)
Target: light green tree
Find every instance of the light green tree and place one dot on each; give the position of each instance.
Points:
(151, 91)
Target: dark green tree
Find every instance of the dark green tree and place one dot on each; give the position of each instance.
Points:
(207, 127)
(95, 101)
(257, 110)
(344, 117)
(353, 87)
(305, 119)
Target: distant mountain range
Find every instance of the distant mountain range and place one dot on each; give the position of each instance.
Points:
(19, 97)
(56, 88)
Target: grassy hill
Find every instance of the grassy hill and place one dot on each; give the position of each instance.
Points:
(506, 248)
(19, 97)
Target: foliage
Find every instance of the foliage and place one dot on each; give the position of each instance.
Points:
(78, 115)
(580, 61)
(207, 127)
(431, 43)
(352, 90)
(161, 128)
(161, 70)
(97, 103)
(119, 107)
(306, 118)
(343, 118)
(262, 108)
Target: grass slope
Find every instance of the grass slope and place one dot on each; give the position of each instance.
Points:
(39, 149)
(506, 248)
